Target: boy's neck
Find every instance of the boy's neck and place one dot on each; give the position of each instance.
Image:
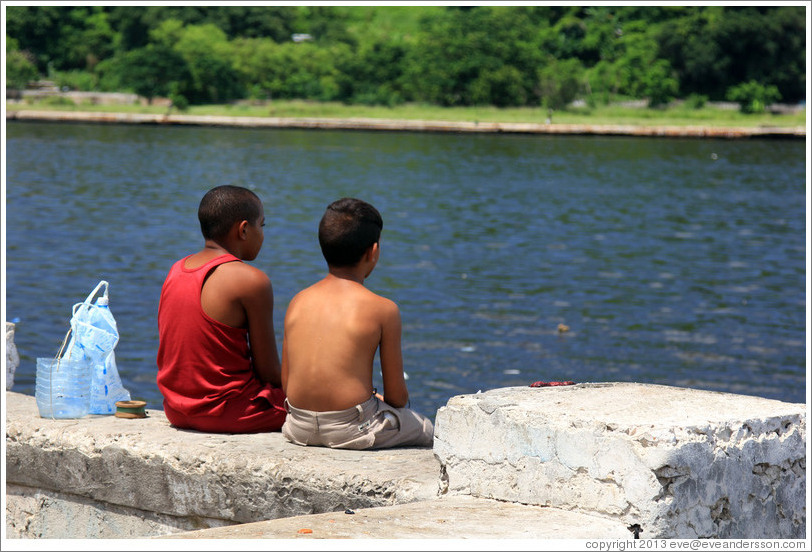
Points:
(212, 247)
(359, 271)
(351, 273)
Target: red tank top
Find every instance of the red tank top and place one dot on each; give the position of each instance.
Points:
(201, 362)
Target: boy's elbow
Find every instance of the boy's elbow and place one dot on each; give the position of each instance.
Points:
(398, 401)
(396, 404)
(270, 375)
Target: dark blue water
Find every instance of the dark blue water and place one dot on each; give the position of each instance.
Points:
(678, 262)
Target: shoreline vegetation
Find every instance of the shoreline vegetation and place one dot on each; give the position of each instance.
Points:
(675, 119)
(695, 70)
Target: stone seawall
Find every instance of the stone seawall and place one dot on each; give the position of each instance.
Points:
(409, 125)
(586, 461)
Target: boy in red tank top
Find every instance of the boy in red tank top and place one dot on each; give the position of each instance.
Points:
(218, 364)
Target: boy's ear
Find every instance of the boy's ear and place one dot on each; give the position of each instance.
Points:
(242, 229)
(371, 256)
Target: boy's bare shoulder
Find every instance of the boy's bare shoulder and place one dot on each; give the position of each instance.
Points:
(240, 274)
(385, 308)
(385, 302)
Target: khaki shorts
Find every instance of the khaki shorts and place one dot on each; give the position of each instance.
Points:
(369, 425)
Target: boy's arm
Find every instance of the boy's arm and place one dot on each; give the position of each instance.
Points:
(257, 300)
(284, 367)
(394, 383)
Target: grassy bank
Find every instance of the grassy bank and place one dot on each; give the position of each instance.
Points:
(677, 115)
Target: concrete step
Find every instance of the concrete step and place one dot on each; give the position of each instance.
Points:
(449, 517)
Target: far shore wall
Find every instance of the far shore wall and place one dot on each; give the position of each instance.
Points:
(170, 118)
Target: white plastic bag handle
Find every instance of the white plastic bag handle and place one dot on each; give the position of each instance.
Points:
(89, 300)
(96, 290)
(87, 303)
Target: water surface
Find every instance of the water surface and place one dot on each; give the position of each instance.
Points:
(672, 261)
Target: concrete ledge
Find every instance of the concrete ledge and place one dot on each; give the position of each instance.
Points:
(188, 479)
(453, 517)
(682, 463)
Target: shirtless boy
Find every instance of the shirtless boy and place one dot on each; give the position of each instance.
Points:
(332, 332)
(218, 364)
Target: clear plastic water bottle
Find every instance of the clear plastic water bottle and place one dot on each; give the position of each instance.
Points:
(62, 388)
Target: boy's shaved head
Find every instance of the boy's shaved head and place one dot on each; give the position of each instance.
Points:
(347, 229)
(224, 206)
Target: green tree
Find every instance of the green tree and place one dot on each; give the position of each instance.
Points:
(292, 70)
(91, 40)
(462, 56)
(326, 24)
(559, 82)
(61, 37)
(152, 71)
(752, 96)
(20, 66)
(602, 82)
(374, 74)
(208, 55)
(315, 74)
(563, 38)
(502, 87)
(258, 61)
(642, 73)
(603, 32)
(129, 21)
(178, 100)
(168, 33)
(38, 30)
(716, 47)
(658, 84)
(274, 22)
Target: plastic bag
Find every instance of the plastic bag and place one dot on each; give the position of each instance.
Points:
(95, 335)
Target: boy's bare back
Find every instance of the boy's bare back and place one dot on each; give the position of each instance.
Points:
(332, 332)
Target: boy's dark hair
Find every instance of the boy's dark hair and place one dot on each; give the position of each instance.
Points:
(224, 206)
(347, 229)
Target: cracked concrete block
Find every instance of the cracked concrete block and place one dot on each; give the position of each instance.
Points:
(683, 463)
